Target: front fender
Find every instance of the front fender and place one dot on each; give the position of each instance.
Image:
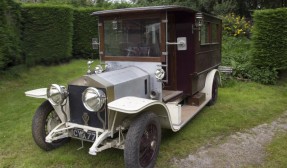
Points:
(37, 93)
(131, 105)
(42, 94)
(136, 105)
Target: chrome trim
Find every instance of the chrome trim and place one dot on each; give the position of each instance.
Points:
(62, 90)
(99, 95)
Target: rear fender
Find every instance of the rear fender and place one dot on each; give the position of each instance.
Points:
(209, 82)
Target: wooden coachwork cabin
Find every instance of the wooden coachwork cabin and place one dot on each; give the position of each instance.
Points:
(185, 41)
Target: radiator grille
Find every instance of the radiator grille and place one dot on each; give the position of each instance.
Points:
(77, 108)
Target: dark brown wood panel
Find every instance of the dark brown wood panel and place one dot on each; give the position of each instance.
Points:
(207, 56)
(172, 78)
(185, 59)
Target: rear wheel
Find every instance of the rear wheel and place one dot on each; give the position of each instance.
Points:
(44, 121)
(214, 91)
(143, 141)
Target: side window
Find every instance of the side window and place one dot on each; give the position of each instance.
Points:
(204, 33)
(209, 33)
(214, 33)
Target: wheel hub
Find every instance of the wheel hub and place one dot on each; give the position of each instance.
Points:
(153, 145)
(52, 121)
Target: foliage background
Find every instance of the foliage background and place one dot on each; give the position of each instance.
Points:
(256, 53)
(47, 33)
(270, 38)
(240, 7)
(234, 25)
(10, 49)
(85, 28)
(46, 45)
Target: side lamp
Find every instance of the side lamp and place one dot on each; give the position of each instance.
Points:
(199, 20)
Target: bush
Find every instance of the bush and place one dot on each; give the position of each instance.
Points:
(47, 34)
(10, 50)
(235, 49)
(263, 75)
(85, 28)
(235, 26)
(236, 52)
(270, 39)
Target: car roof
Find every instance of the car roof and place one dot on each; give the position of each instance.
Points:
(144, 9)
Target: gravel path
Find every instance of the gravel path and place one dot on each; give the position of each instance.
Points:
(238, 150)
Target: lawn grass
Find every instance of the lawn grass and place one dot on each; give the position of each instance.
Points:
(240, 106)
(277, 152)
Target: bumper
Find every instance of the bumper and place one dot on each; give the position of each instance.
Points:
(63, 129)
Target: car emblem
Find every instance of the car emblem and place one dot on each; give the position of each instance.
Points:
(85, 118)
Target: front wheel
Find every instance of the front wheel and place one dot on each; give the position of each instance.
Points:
(143, 141)
(44, 121)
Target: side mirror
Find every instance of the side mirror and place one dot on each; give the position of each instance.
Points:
(95, 43)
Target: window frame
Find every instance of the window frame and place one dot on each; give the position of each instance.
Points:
(160, 58)
(209, 33)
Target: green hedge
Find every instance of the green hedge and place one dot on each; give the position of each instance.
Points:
(85, 28)
(10, 50)
(47, 34)
(270, 39)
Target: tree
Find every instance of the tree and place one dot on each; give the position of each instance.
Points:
(219, 7)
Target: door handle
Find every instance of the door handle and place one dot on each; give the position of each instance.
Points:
(181, 43)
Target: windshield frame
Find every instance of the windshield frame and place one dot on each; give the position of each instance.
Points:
(140, 15)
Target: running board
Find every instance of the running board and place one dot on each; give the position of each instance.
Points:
(187, 113)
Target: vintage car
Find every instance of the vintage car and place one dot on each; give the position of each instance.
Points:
(158, 69)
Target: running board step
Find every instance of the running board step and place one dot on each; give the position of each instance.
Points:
(186, 113)
(197, 99)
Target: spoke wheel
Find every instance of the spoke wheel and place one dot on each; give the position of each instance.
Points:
(148, 145)
(143, 141)
(52, 121)
(44, 121)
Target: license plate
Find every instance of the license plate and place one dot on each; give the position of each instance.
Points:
(81, 134)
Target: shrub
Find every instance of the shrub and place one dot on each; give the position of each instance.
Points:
(236, 52)
(263, 75)
(10, 50)
(47, 34)
(85, 28)
(235, 26)
(270, 39)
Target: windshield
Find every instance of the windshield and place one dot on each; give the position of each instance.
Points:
(133, 37)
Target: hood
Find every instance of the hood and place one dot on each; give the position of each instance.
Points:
(129, 81)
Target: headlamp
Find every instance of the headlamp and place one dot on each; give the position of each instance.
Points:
(56, 94)
(93, 99)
